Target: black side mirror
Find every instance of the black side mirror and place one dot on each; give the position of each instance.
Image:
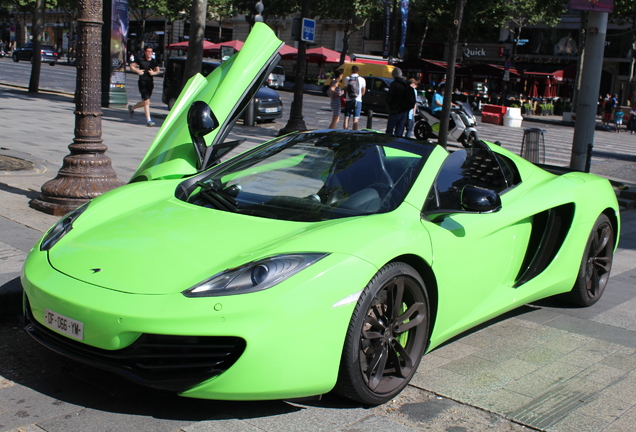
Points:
(476, 199)
(201, 121)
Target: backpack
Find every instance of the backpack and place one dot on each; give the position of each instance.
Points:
(353, 88)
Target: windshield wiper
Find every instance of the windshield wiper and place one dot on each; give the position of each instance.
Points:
(217, 197)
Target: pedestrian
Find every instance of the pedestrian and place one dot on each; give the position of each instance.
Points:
(335, 97)
(410, 121)
(438, 101)
(631, 123)
(618, 119)
(355, 87)
(400, 99)
(608, 109)
(146, 67)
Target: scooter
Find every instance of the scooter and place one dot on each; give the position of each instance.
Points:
(461, 126)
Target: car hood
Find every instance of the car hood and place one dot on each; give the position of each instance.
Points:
(135, 244)
(227, 91)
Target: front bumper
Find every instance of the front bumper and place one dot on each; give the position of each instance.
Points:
(284, 342)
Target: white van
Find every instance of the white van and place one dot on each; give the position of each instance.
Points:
(277, 78)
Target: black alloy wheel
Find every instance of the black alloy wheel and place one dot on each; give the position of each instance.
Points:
(596, 265)
(387, 336)
(423, 130)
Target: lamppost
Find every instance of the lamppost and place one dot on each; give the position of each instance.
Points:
(86, 172)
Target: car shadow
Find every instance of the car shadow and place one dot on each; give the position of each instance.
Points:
(40, 378)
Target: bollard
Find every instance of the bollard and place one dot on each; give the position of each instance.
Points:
(370, 119)
(588, 159)
(249, 114)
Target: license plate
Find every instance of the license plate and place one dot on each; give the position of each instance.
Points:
(63, 324)
(271, 110)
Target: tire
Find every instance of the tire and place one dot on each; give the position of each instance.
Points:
(171, 103)
(596, 265)
(15, 58)
(384, 344)
(423, 130)
(471, 140)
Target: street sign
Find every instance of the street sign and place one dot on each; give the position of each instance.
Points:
(308, 30)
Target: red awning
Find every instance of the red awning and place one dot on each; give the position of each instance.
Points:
(183, 46)
(318, 55)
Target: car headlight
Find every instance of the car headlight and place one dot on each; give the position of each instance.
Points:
(254, 276)
(61, 228)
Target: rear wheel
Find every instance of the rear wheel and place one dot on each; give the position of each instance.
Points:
(595, 268)
(386, 337)
(423, 130)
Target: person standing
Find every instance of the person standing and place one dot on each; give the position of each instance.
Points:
(410, 120)
(618, 119)
(146, 67)
(610, 103)
(631, 123)
(398, 100)
(335, 93)
(355, 87)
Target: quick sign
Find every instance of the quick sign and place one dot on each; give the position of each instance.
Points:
(308, 30)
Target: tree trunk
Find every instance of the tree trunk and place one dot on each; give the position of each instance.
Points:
(195, 45)
(36, 67)
(450, 72)
(419, 53)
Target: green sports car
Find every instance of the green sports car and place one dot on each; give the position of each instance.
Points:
(318, 261)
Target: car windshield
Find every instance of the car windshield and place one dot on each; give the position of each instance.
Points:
(315, 176)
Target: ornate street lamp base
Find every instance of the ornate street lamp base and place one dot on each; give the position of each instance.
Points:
(80, 180)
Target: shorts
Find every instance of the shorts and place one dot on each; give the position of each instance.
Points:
(607, 117)
(353, 107)
(145, 88)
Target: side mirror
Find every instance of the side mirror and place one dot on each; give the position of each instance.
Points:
(476, 199)
(201, 121)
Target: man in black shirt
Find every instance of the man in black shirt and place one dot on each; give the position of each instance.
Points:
(146, 67)
(400, 99)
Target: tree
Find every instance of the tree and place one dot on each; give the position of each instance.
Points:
(141, 10)
(195, 44)
(355, 13)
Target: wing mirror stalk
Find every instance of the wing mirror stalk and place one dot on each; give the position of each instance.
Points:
(202, 121)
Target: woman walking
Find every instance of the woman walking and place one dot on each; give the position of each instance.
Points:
(335, 93)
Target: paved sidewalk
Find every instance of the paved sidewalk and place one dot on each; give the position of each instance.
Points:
(543, 366)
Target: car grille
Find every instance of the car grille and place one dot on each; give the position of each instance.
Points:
(166, 362)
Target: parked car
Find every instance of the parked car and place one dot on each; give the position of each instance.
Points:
(374, 99)
(48, 53)
(267, 103)
(277, 78)
(316, 261)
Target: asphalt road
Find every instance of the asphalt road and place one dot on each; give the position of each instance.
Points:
(62, 78)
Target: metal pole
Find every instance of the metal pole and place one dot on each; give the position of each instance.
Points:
(590, 84)
(86, 172)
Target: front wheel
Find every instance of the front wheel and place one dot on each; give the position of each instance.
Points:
(15, 58)
(387, 336)
(596, 265)
(422, 130)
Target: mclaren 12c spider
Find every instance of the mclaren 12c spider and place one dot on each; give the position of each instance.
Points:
(318, 261)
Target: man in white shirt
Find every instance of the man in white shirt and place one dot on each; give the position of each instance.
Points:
(355, 86)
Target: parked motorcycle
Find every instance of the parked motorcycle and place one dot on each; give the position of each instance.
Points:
(461, 127)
